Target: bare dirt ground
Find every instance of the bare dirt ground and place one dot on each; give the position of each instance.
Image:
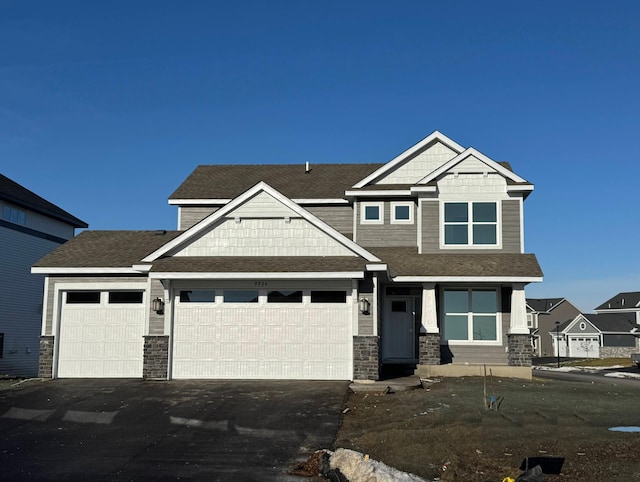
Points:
(421, 431)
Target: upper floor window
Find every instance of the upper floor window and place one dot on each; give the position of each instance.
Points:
(372, 213)
(401, 213)
(14, 215)
(471, 223)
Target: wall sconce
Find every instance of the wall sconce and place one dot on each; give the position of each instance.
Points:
(157, 305)
(365, 306)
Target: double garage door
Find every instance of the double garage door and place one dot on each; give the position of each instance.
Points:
(217, 333)
(263, 334)
(584, 347)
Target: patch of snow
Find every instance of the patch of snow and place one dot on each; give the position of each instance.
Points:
(624, 429)
(359, 468)
(623, 375)
(556, 369)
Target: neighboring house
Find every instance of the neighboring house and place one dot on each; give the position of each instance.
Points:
(542, 315)
(605, 335)
(326, 271)
(30, 227)
(622, 303)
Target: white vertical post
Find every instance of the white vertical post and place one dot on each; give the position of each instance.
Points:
(518, 324)
(429, 313)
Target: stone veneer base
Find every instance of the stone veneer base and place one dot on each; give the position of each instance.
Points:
(156, 357)
(45, 360)
(366, 358)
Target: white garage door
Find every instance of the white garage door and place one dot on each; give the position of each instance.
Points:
(101, 334)
(266, 334)
(584, 347)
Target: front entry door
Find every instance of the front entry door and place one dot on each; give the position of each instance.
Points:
(398, 340)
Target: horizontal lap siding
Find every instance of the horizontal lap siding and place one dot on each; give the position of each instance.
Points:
(387, 234)
(338, 217)
(511, 227)
(194, 214)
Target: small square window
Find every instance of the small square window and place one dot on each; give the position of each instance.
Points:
(402, 213)
(372, 213)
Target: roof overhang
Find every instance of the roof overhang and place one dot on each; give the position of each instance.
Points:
(222, 202)
(467, 279)
(259, 275)
(86, 270)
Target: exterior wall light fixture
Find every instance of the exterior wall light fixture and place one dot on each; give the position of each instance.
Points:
(365, 306)
(157, 305)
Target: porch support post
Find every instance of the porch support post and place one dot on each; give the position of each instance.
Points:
(519, 338)
(429, 339)
(518, 324)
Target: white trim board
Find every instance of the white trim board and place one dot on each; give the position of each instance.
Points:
(469, 279)
(259, 275)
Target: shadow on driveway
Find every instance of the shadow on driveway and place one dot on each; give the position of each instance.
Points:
(187, 430)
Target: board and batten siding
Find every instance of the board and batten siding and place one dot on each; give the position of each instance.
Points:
(511, 230)
(103, 280)
(191, 215)
(339, 218)
(386, 234)
(21, 300)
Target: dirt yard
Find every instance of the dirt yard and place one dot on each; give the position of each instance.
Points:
(445, 431)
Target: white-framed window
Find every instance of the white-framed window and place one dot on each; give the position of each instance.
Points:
(372, 213)
(471, 315)
(470, 223)
(401, 213)
(14, 215)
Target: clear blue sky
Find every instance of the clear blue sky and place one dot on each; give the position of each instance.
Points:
(107, 106)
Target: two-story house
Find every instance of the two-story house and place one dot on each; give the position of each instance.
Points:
(542, 316)
(627, 302)
(30, 227)
(305, 271)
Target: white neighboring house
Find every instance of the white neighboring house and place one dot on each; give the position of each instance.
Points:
(30, 227)
(597, 335)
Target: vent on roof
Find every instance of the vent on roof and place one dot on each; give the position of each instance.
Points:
(307, 168)
(161, 232)
(622, 301)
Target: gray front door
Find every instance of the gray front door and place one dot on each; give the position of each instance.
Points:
(398, 339)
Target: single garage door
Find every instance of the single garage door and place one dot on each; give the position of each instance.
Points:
(263, 334)
(584, 347)
(101, 334)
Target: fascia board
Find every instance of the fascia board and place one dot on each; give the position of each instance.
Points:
(469, 279)
(462, 156)
(96, 270)
(261, 186)
(435, 135)
(376, 267)
(320, 201)
(520, 188)
(261, 275)
(206, 202)
(396, 192)
(418, 189)
(143, 268)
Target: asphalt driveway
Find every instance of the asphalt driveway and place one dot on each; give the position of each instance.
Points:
(187, 430)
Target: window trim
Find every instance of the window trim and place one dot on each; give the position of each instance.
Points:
(395, 204)
(363, 209)
(470, 340)
(469, 223)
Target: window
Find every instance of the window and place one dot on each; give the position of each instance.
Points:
(476, 229)
(470, 315)
(198, 296)
(402, 213)
(284, 297)
(122, 297)
(14, 215)
(240, 296)
(328, 296)
(83, 297)
(372, 213)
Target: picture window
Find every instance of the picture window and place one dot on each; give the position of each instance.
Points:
(470, 224)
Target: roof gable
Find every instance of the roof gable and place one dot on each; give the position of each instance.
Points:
(261, 202)
(472, 160)
(622, 301)
(442, 149)
(575, 324)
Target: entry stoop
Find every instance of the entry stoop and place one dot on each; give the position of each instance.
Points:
(401, 384)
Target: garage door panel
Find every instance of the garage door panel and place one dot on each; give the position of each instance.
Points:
(101, 340)
(269, 341)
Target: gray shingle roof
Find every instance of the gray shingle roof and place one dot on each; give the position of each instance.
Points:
(613, 322)
(107, 249)
(407, 262)
(14, 193)
(262, 264)
(630, 299)
(543, 304)
(324, 181)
